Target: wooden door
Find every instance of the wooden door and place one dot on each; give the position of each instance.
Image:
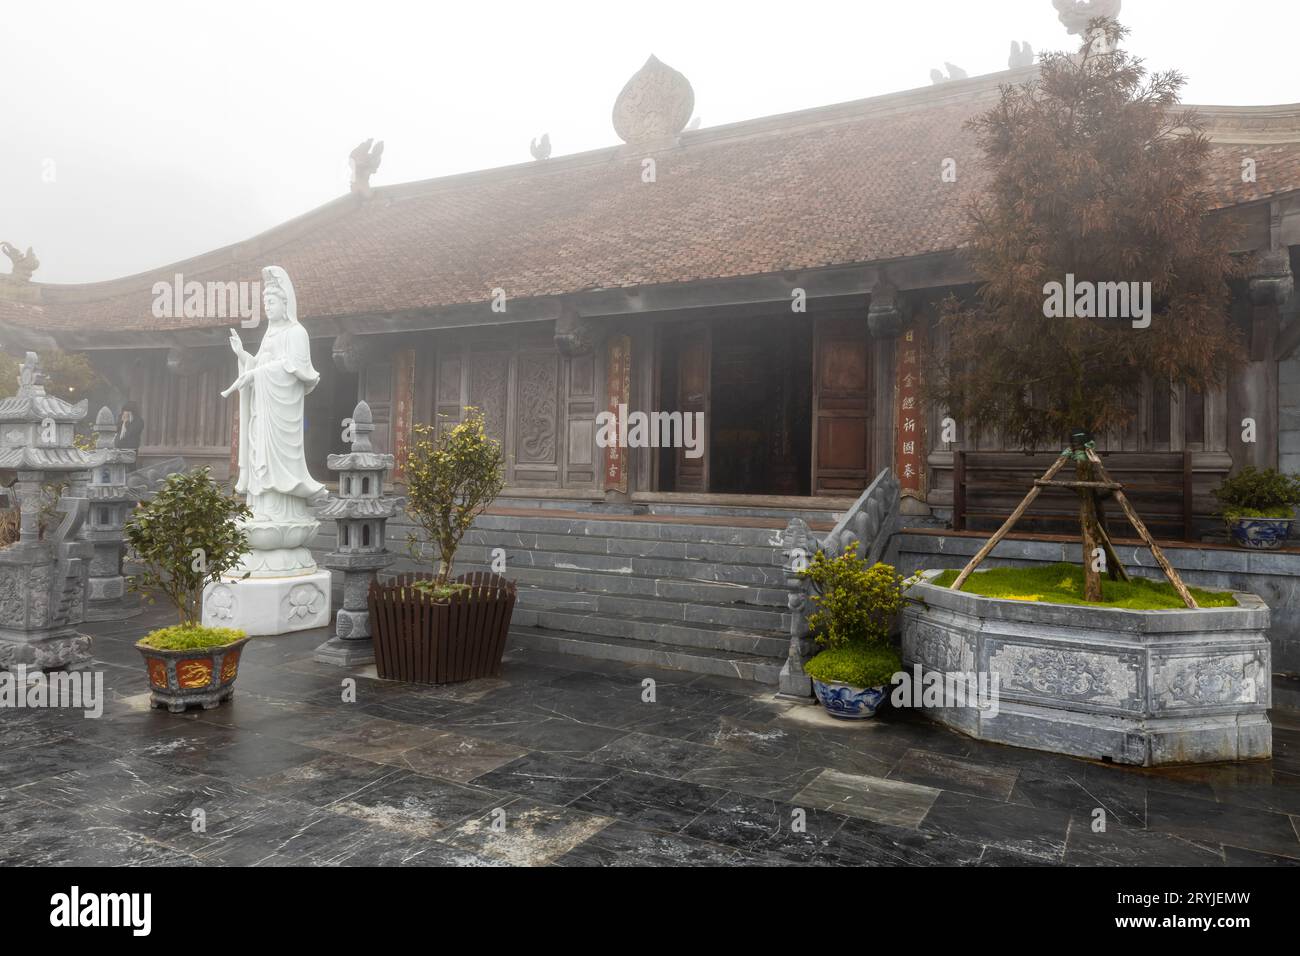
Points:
(841, 462)
(694, 347)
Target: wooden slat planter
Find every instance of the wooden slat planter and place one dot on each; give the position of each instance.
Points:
(423, 640)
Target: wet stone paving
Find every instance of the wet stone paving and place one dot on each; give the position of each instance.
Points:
(561, 762)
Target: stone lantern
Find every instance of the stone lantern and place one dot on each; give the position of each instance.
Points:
(43, 575)
(360, 512)
(107, 598)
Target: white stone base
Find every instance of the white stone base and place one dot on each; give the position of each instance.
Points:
(265, 606)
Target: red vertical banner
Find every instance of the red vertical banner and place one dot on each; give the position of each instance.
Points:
(403, 408)
(619, 388)
(909, 422)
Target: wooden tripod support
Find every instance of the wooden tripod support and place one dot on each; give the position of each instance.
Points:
(1106, 484)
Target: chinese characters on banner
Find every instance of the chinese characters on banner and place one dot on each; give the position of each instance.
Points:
(619, 387)
(909, 447)
(403, 403)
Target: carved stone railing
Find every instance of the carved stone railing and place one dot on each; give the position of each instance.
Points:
(866, 528)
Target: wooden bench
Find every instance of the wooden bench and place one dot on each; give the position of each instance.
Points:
(987, 486)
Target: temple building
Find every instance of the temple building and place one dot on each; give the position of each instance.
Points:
(780, 275)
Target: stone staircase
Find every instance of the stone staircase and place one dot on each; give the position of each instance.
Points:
(673, 587)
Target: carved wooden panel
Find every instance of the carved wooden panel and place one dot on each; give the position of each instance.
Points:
(489, 381)
(580, 417)
(537, 386)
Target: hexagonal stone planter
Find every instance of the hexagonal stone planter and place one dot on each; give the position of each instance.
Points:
(1133, 687)
(195, 677)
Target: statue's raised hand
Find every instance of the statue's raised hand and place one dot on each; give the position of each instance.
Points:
(237, 346)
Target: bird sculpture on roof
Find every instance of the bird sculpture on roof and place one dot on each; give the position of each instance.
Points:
(25, 263)
(541, 149)
(1021, 55)
(954, 73)
(364, 160)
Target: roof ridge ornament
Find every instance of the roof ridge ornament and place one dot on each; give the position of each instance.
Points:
(364, 160)
(25, 263)
(1077, 17)
(655, 104)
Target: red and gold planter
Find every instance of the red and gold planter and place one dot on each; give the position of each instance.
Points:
(204, 677)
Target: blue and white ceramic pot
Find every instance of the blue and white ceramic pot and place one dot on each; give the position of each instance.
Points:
(1260, 533)
(848, 702)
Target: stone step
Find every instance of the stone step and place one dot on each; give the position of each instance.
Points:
(663, 609)
(674, 509)
(763, 670)
(639, 530)
(602, 582)
(696, 635)
(770, 576)
(516, 541)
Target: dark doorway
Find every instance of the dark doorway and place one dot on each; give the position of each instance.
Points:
(333, 399)
(752, 378)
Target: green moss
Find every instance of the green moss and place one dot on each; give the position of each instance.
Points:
(439, 592)
(182, 637)
(1281, 511)
(1063, 584)
(856, 663)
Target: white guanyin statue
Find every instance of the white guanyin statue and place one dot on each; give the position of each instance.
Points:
(273, 472)
(284, 590)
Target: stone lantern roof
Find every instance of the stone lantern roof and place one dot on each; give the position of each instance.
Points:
(32, 404)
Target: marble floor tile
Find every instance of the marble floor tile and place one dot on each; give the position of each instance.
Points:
(651, 801)
(458, 757)
(417, 806)
(622, 844)
(1208, 822)
(549, 778)
(955, 774)
(524, 833)
(771, 829)
(1035, 832)
(881, 799)
(327, 779)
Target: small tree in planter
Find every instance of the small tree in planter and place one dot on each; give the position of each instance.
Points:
(856, 607)
(1101, 185)
(1259, 506)
(429, 628)
(450, 480)
(187, 535)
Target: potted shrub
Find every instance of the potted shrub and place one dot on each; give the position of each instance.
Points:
(855, 610)
(429, 628)
(187, 535)
(1258, 506)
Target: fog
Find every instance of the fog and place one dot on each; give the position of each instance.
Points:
(133, 134)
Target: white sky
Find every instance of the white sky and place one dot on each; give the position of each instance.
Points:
(171, 128)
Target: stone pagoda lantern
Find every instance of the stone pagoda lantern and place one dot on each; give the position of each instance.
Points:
(361, 512)
(107, 598)
(43, 575)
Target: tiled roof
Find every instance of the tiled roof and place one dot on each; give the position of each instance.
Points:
(851, 183)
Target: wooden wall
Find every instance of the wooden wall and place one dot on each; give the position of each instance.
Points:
(538, 403)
